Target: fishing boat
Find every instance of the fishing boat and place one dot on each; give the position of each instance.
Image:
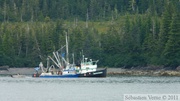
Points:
(86, 69)
(52, 72)
(62, 68)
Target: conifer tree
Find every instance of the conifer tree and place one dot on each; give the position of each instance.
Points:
(165, 28)
(172, 48)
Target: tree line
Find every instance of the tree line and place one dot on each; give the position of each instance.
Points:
(120, 33)
(38, 10)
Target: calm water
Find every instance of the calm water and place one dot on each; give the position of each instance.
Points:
(84, 89)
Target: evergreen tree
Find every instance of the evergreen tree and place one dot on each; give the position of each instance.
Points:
(172, 49)
(119, 32)
(165, 29)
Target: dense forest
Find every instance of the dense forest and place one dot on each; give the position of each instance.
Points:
(120, 33)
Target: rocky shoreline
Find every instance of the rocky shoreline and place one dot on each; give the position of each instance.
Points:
(110, 72)
(129, 72)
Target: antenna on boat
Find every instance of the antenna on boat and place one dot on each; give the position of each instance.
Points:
(47, 62)
(83, 59)
(86, 59)
(73, 58)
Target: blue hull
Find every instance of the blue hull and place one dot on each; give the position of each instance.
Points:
(60, 76)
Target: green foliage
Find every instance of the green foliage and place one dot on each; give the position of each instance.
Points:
(39, 10)
(120, 33)
(172, 48)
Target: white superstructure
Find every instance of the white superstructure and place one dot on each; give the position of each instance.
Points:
(88, 66)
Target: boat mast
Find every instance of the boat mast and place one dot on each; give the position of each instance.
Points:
(67, 52)
(73, 59)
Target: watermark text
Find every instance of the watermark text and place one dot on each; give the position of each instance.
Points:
(151, 97)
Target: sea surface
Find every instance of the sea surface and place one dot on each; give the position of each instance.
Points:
(84, 89)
